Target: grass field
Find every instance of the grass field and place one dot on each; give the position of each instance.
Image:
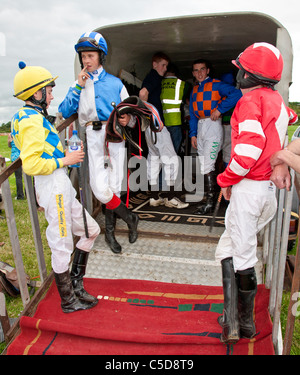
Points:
(14, 305)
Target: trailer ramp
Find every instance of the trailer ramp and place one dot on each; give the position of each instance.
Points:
(166, 252)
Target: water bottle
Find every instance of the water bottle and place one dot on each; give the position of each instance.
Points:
(74, 145)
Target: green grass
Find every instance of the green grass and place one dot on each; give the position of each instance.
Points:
(15, 306)
(291, 131)
(295, 349)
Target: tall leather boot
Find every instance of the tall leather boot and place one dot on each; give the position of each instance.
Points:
(247, 288)
(130, 218)
(78, 271)
(208, 203)
(110, 223)
(229, 320)
(69, 301)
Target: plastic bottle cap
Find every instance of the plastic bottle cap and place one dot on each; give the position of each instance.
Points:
(75, 132)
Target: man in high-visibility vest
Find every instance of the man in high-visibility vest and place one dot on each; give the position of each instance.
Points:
(174, 93)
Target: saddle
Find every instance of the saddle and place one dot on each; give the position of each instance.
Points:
(146, 114)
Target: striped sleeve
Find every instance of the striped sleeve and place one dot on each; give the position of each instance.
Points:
(293, 117)
(247, 150)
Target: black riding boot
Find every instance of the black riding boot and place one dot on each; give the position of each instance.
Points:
(229, 320)
(130, 218)
(69, 301)
(247, 288)
(208, 203)
(77, 273)
(110, 224)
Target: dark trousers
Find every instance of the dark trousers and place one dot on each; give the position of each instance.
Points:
(19, 183)
(176, 136)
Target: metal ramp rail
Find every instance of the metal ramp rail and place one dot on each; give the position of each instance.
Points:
(274, 240)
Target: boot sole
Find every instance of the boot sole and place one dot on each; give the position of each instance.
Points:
(87, 307)
(116, 251)
(198, 212)
(231, 339)
(88, 299)
(245, 336)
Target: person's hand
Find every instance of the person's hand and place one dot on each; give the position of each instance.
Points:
(276, 158)
(144, 94)
(227, 192)
(281, 176)
(124, 119)
(215, 115)
(194, 142)
(83, 76)
(73, 157)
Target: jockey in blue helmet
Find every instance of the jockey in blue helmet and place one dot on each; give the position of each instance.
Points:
(92, 41)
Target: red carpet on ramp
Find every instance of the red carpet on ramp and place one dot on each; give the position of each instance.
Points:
(137, 317)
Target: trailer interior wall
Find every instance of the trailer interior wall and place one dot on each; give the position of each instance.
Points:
(217, 37)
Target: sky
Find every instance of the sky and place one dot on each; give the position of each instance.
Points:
(43, 33)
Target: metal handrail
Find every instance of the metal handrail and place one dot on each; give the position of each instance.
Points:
(281, 264)
(275, 251)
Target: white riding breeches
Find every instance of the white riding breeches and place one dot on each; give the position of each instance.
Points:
(161, 155)
(252, 205)
(63, 213)
(209, 142)
(105, 181)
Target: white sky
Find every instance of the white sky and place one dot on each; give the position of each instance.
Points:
(44, 33)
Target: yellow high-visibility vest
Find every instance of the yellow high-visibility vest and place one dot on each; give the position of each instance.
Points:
(172, 90)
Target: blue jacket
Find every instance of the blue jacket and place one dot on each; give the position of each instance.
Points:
(209, 95)
(15, 152)
(108, 89)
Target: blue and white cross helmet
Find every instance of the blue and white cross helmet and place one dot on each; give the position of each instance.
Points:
(92, 41)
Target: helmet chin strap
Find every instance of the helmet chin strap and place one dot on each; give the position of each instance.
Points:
(42, 102)
(252, 80)
(246, 83)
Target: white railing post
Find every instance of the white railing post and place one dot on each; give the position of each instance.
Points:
(281, 264)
